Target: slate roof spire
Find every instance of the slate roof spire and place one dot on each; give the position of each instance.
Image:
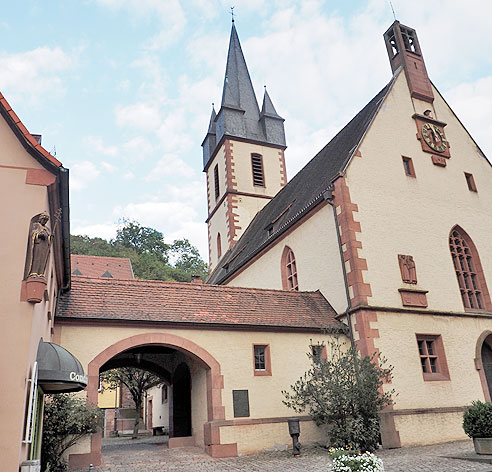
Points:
(239, 114)
(267, 107)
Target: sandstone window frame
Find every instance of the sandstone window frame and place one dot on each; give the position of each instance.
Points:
(432, 357)
(262, 364)
(290, 278)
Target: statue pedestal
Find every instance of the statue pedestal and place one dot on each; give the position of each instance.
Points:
(35, 287)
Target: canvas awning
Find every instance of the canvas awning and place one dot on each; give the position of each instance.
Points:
(58, 370)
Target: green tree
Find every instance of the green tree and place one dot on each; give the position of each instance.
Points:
(188, 259)
(344, 393)
(147, 251)
(67, 419)
(143, 239)
(137, 381)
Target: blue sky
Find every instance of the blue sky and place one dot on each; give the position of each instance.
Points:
(122, 89)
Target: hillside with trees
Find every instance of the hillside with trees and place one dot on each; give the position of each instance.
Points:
(151, 257)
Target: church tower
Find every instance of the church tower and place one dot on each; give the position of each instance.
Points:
(243, 156)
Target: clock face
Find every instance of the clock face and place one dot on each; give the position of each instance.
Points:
(434, 137)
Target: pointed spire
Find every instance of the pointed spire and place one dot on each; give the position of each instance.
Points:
(268, 108)
(211, 126)
(238, 90)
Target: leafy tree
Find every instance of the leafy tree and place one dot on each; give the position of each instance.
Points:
(137, 381)
(143, 239)
(67, 419)
(147, 251)
(188, 259)
(344, 393)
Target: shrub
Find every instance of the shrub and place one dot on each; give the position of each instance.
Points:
(67, 419)
(351, 461)
(477, 420)
(344, 393)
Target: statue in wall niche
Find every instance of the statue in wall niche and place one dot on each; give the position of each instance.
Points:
(407, 269)
(39, 244)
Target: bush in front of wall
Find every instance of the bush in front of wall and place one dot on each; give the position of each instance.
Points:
(477, 420)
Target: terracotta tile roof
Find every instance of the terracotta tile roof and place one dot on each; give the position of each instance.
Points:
(33, 142)
(193, 304)
(99, 266)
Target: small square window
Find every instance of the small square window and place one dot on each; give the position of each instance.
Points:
(261, 359)
(318, 352)
(470, 182)
(432, 357)
(408, 166)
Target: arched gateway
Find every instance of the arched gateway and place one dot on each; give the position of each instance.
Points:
(483, 362)
(182, 422)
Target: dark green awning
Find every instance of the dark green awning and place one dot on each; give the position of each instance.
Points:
(58, 370)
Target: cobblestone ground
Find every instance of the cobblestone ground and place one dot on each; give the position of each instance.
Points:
(152, 454)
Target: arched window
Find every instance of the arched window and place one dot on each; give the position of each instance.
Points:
(289, 270)
(219, 246)
(469, 270)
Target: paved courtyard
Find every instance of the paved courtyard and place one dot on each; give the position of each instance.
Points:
(151, 454)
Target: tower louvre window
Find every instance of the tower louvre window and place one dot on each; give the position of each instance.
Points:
(216, 180)
(257, 167)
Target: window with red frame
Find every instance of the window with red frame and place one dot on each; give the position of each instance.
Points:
(289, 270)
(432, 357)
(469, 276)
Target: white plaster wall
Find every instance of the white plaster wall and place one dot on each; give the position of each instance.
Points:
(316, 249)
(405, 215)
(232, 349)
(160, 410)
(198, 402)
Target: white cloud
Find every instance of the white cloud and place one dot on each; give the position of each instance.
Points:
(102, 230)
(170, 165)
(472, 102)
(34, 74)
(128, 175)
(139, 147)
(96, 145)
(108, 167)
(140, 116)
(82, 174)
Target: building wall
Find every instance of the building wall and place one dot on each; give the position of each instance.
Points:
(236, 175)
(160, 409)
(24, 323)
(399, 214)
(234, 352)
(318, 265)
(405, 215)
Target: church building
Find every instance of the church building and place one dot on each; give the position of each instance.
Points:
(390, 221)
(386, 229)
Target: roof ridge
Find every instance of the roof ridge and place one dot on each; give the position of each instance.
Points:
(86, 279)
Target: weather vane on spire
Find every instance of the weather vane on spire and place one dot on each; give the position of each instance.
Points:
(232, 14)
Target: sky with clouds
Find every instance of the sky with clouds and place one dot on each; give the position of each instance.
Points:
(121, 90)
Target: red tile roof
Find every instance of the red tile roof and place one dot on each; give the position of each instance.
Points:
(96, 266)
(193, 304)
(28, 136)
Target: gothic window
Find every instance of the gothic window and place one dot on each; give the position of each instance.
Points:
(257, 167)
(469, 271)
(219, 246)
(289, 270)
(216, 180)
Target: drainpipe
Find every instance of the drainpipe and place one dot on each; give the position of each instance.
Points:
(328, 197)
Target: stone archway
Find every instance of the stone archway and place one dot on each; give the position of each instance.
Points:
(214, 381)
(483, 362)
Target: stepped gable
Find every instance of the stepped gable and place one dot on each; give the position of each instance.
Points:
(178, 303)
(100, 266)
(301, 194)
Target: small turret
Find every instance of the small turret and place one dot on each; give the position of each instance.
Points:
(210, 140)
(404, 50)
(271, 122)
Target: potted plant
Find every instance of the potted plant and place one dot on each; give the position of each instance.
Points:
(477, 423)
